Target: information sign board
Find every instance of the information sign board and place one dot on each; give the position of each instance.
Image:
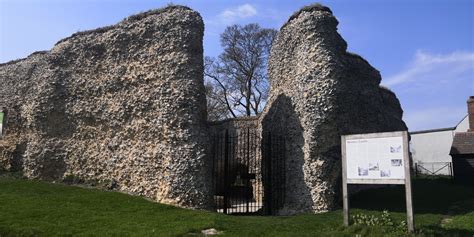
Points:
(376, 158)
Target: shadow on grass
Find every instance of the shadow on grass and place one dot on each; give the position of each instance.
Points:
(433, 230)
(430, 196)
(7, 232)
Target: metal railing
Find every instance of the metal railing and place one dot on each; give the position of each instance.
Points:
(434, 168)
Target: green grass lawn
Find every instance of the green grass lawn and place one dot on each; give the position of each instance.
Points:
(34, 208)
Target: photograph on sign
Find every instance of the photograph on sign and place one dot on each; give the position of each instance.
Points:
(375, 158)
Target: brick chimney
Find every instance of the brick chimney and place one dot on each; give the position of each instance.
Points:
(470, 112)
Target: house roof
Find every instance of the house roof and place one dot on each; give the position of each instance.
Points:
(434, 130)
(465, 116)
(440, 129)
(463, 143)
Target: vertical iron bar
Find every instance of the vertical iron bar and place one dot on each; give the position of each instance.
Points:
(226, 161)
(261, 169)
(255, 193)
(234, 171)
(214, 173)
(253, 163)
(269, 175)
(235, 191)
(258, 169)
(279, 173)
(231, 171)
(222, 181)
(222, 164)
(284, 173)
(275, 174)
(242, 171)
(237, 170)
(248, 169)
(219, 170)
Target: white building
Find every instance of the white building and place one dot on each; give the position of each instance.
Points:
(430, 148)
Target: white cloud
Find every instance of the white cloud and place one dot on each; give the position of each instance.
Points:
(431, 118)
(240, 12)
(433, 67)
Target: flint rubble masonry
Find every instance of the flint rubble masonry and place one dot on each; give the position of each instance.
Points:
(122, 105)
(319, 91)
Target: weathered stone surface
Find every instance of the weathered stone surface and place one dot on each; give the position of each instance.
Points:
(319, 91)
(123, 104)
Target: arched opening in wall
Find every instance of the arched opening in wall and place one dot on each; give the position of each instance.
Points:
(249, 175)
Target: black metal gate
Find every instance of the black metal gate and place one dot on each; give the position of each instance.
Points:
(249, 172)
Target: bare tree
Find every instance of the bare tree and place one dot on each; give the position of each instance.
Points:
(215, 106)
(239, 75)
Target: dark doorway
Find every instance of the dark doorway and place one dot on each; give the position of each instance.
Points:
(249, 172)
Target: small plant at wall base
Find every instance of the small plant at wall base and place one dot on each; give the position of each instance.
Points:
(101, 184)
(384, 220)
(72, 179)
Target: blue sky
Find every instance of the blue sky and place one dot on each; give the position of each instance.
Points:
(423, 49)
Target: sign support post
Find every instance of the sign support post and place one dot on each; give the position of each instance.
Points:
(345, 197)
(2, 121)
(376, 158)
(408, 197)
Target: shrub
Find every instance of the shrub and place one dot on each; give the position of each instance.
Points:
(384, 220)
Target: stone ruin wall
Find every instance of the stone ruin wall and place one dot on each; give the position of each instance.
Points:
(122, 105)
(319, 91)
(125, 105)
